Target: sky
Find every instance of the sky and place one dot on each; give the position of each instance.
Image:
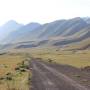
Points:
(42, 11)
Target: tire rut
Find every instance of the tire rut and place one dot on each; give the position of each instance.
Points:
(47, 78)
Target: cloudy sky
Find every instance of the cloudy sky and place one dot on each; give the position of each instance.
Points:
(42, 11)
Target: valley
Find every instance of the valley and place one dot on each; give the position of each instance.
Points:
(50, 56)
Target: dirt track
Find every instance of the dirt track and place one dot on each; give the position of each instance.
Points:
(46, 77)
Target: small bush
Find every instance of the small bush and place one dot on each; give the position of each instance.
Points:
(50, 60)
(5, 66)
(2, 78)
(77, 76)
(9, 78)
(23, 70)
(87, 68)
(9, 73)
(17, 68)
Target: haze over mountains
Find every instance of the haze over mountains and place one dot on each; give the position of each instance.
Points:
(21, 33)
(8, 27)
(61, 33)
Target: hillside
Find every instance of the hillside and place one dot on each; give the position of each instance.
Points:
(21, 33)
(60, 33)
(7, 28)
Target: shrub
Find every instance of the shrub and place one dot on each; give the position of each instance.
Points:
(23, 70)
(9, 73)
(17, 68)
(50, 60)
(9, 78)
(2, 78)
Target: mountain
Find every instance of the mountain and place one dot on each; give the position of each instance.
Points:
(20, 33)
(60, 33)
(8, 27)
(58, 28)
(87, 19)
(64, 27)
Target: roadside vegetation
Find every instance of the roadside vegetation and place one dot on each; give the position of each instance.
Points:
(14, 72)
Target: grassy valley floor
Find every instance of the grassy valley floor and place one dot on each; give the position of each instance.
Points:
(74, 64)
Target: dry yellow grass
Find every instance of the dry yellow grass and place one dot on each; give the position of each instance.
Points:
(8, 63)
(78, 59)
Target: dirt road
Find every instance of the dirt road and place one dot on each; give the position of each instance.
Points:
(46, 77)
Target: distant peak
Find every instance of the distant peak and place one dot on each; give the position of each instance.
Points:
(11, 22)
(34, 23)
(77, 18)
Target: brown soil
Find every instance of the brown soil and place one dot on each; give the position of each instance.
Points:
(51, 76)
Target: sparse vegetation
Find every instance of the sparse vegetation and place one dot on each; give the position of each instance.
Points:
(78, 59)
(87, 68)
(50, 60)
(14, 73)
(78, 76)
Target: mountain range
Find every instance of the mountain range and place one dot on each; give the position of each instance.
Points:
(8, 27)
(69, 34)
